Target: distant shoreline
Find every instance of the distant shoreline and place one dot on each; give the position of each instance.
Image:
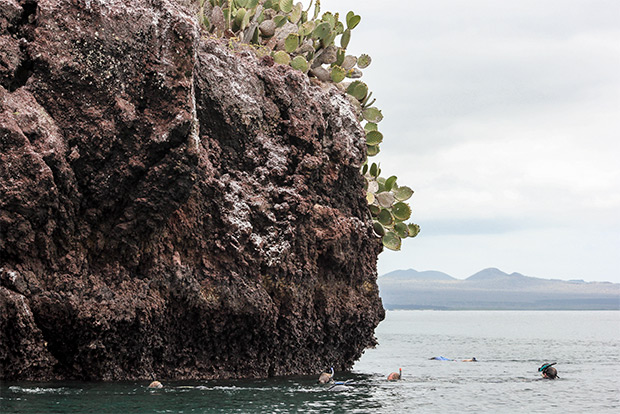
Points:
(492, 289)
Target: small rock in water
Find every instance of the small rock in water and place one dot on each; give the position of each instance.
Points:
(156, 384)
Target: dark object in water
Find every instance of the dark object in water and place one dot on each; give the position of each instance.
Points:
(547, 371)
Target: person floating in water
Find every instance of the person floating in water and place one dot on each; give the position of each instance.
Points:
(341, 385)
(441, 358)
(547, 371)
(395, 375)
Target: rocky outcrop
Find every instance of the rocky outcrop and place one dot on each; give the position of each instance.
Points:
(172, 206)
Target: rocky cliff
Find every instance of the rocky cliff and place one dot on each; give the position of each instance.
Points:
(172, 206)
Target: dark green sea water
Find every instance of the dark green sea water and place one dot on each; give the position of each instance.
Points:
(510, 346)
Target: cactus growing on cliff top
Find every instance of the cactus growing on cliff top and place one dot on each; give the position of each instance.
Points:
(307, 42)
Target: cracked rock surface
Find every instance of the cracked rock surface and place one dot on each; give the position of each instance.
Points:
(172, 206)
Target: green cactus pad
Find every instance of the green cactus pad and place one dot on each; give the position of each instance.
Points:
(381, 182)
(291, 43)
(252, 4)
(414, 229)
(389, 183)
(306, 28)
(374, 170)
(339, 28)
(359, 90)
(329, 40)
(295, 15)
(374, 138)
(227, 16)
(401, 211)
(349, 15)
(280, 20)
(403, 193)
(391, 241)
(241, 3)
(363, 61)
(372, 114)
(365, 169)
(340, 55)
(286, 5)
(401, 230)
(372, 150)
(337, 74)
(345, 38)
(246, 19)
(300, 63)
(321, 31)
(370, 126)
(374, 210)
(385, 217)
(378, 228)
(353, 21)
(330, 19)
(281, 57)
(317, 9)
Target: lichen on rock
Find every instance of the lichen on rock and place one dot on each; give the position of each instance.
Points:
(171, 206)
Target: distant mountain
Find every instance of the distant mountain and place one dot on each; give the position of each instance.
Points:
(415, 275)
(493, 289)
(492, 274)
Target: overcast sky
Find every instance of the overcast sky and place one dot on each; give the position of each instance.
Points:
(504, 117)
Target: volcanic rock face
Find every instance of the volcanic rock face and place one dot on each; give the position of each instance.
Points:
(171, 205)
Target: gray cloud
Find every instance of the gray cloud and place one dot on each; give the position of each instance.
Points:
(505, 119)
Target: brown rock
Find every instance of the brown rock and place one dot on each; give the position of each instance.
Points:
(170, 207)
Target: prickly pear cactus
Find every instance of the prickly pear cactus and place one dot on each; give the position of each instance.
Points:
(316, 44)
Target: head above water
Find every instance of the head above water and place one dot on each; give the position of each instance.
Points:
(396, 375)
(325, 377)
(547, 371)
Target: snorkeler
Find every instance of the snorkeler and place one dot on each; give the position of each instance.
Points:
(395, 375)
(326, 377)
(547, 371)
(341, 385)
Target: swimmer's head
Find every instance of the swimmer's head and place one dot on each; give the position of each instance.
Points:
(548, 371)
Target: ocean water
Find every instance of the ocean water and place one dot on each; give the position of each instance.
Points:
(509, 347)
